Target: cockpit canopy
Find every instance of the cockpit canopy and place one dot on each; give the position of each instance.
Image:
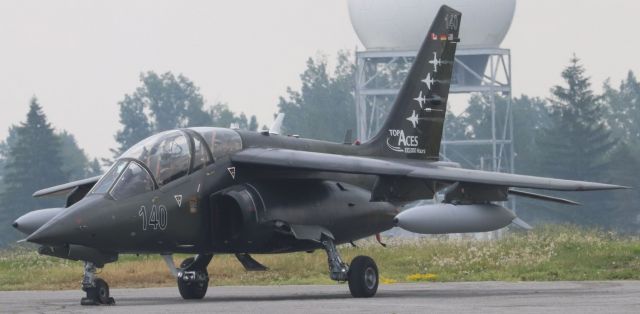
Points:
(165, 157)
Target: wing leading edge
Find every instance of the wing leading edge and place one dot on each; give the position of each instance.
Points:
(313, 161)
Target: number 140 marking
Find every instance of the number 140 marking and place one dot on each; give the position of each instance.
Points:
(156, 218)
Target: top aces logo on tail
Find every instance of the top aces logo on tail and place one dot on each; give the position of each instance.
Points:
(413, 128)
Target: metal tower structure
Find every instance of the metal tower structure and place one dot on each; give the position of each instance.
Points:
(380, 73)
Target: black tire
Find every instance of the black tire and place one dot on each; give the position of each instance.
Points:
(102, 291)
(363, 277)
(193, 290)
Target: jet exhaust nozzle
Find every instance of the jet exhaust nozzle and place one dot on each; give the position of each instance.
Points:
(33, 220)
(448, 218)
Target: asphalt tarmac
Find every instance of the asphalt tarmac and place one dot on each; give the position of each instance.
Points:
(473, 297)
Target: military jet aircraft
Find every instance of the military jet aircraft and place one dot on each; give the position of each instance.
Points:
(209, 191)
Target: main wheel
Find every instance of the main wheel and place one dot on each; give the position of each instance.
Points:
(363, 277)
(195, 287)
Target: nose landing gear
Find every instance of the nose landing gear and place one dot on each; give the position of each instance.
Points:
(96, 288)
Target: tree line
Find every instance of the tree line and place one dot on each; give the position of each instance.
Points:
(572, 133)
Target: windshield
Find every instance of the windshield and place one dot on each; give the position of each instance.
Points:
(133, 181)
(107, 180)
(167, 155)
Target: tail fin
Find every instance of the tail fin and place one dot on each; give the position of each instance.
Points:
(413, 128)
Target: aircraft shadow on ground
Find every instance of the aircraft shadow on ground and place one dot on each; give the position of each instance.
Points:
(417, 293)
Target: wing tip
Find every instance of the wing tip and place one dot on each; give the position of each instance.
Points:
(604, 186)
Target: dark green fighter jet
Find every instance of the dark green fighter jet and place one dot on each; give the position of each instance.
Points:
(208, 191)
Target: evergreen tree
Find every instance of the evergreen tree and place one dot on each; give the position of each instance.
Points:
(530, 118)
(623, 214)
(324, 108)
(578, 142)
(253, 124)
(94, 169)
(623, 115)
(33, 162)
(4, 154)
(3, 151)
(624, 108)
(75, 163)
(242, 122)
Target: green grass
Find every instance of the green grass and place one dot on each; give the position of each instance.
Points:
(546, 253)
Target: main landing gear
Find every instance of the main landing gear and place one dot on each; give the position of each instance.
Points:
(193, 278)
(96, 288)
(362, 274)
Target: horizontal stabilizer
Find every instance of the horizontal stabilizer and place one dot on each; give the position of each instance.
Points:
(542, 197)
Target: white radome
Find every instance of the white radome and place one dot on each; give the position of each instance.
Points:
(402, 24)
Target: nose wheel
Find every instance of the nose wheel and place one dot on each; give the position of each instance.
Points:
(193, 278)
(97, 289)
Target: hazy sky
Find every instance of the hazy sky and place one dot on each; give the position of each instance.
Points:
(80, 57)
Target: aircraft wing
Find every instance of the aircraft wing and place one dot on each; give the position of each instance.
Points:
(312, 161)
(508, 179)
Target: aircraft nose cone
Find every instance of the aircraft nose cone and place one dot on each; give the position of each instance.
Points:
(31, 221)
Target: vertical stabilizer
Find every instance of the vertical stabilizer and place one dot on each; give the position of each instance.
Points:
(413, 128)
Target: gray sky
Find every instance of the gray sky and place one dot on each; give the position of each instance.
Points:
(80, 57)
